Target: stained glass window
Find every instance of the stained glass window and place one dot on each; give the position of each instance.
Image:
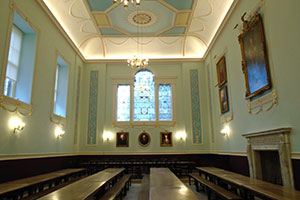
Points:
(123, 104)
(144, 96)
(165, 102)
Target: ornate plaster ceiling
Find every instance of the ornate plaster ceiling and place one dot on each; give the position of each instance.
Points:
(156, 29)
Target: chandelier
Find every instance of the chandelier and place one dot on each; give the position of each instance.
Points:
(138, 62)
(137, 2)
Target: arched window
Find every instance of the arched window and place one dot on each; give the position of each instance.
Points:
(145, 99)
(144, 96)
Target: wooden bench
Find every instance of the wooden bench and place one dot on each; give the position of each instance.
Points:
(36, 184)
(144, 189)
(118, 189)
(211, 187)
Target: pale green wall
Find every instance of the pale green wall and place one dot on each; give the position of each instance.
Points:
(282, 32)
(38, 134)
(105, 109)
(281, 21)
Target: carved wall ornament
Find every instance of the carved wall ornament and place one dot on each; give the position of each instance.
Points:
(14, 105)
(264, 103)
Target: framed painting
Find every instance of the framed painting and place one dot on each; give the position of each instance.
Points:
(221, 71)
(255, 62)
(224, 102)
(144, 139)
(122, 139)
(166, 139)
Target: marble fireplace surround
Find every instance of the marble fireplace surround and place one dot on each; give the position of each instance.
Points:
(270, 140)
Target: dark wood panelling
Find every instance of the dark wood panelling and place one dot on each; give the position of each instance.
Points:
(22, 168)
(239, 164)
(296, 170)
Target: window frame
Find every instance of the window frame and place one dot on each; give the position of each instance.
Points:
(17, 66)
(57, 119)
(20, 106)
(171, 80)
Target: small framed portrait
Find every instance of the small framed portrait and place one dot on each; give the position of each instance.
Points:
(166, 139)
(224, 102)
(255, 62)
(122, 139)
(221, 71)
(144, 139)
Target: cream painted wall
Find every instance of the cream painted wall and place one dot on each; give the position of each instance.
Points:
(105, 109)
(38, 134)
(281, 23)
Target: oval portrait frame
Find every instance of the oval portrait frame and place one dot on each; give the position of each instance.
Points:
(140, 139)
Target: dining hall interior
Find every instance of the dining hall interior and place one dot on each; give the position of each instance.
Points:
(149, 99)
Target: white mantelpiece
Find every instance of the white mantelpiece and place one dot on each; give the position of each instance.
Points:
(270, 140)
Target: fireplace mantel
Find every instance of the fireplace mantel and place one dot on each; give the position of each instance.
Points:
(270, 140)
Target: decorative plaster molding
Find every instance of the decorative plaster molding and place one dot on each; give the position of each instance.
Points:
(58, 119)
(264, 103)
(93, 106)
(226, 117)
(196, 126)
(77, 106)
(14, 105)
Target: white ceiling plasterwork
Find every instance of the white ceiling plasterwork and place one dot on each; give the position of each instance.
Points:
(168, 31)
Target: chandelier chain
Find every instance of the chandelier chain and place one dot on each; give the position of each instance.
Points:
(138, 61)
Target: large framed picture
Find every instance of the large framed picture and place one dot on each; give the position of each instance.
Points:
(221, 71)
(144, 139)
(255, 62)
(224, 102)
(165, 139)
(122, 139)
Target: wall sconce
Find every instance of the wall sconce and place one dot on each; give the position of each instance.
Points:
(17, 124)
(59, 132)
(181, 136)
(225, 131)
(107, 136)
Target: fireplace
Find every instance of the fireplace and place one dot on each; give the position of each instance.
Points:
(269, 157)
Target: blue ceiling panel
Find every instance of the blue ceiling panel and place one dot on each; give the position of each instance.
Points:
(164, 17)
(100, 5)
(181, 4)
(110, 31)
(178, 30)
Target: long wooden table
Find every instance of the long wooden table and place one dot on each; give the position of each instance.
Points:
(165, 185)
(86, 187)
(250, 185)
(23, 184)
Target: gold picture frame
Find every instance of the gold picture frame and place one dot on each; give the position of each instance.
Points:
(223, 97)
(166, 139)
(144, 139)
(255, 63)
(122, 139)
(221, 71)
